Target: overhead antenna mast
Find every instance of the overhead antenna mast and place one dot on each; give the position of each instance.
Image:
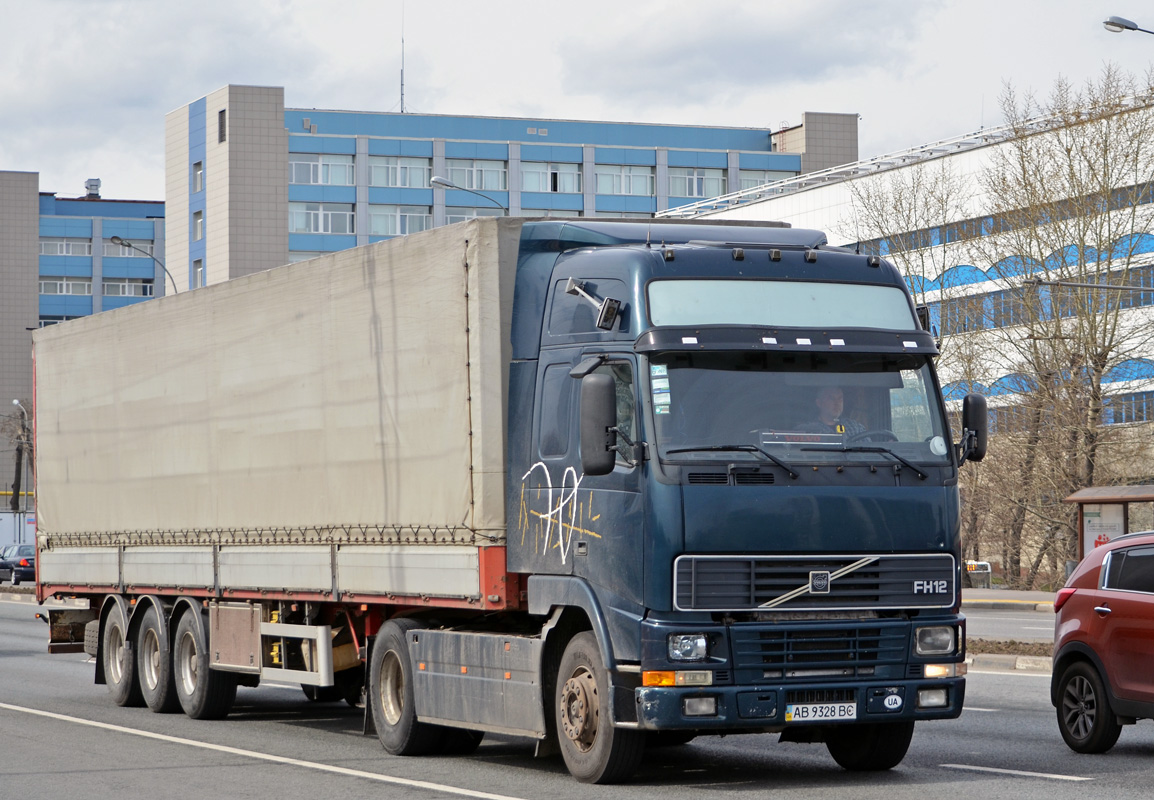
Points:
(402, 57)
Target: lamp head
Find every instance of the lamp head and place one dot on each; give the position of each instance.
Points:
(1119, 24)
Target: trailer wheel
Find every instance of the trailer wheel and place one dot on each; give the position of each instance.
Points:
(870, 748)
(119, 664)
(154, 665)
(391, 694)
(203, 693)
(594, 750)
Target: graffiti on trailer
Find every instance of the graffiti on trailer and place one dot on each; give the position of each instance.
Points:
(563, 516)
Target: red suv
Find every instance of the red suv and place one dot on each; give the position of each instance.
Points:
(1104, 644)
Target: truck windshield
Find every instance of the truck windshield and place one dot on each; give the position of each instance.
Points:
(796, 407)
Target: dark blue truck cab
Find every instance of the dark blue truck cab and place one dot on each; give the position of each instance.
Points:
(729, 460)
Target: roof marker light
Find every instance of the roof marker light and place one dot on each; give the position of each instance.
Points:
(775, 255)
(873, 261)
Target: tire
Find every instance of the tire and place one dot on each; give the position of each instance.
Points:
(118, 660)
(1087, 722)
(391, 694)
(154, 665)
(594, 750)
(870, 748)
(15, 577)
(203, 693)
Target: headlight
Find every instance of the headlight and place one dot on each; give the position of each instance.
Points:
(688, 646)
(937, 641)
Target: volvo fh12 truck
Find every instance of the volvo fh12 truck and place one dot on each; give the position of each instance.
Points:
(594, 483)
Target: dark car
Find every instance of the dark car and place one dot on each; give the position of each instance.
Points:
(18, 563)
(1104, 644)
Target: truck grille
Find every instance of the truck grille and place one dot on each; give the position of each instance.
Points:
(779, 653)
(808, 583)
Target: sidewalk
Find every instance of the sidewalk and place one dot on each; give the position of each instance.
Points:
(1008, 600)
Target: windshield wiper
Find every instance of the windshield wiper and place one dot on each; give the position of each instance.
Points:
(735, 448)
(859, 448)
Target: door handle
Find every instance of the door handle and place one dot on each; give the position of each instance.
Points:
(1102, 609)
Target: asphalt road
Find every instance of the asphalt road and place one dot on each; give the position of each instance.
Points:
(64, 737)
(1023, 625)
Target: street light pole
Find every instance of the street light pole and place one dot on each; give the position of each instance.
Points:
(126, 243)
(445, 183)
(21, 462)
(1119, 24)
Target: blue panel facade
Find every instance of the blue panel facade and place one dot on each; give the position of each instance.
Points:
(197, 152)
(381, 195)
(617, 155)
(66, 266)
(320, 242)
(553, 153)
(322, 144)
(685, 158)
(65, 227)
(142, 268)
(306, 193)
(550, 200)
(488, 151)
(65, 305)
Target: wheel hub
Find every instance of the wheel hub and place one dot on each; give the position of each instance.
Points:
(580, 709)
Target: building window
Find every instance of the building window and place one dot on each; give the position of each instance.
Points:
(1129, 408)
(65, 247)
(460, 213)
(127, 287)
(397, 171)
(399, 220)
(321, 218)
(123, 251)
(1009, 308)
(327, 170)
(963, 314)
(198, 177)
(625, 179)
(197, 225)
(66, 286)
(752, 178)
(560, 178)
(54, 319)
(473, 174)
(696, 182)
(221, 126)
(198, 276)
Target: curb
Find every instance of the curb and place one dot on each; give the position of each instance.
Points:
(1010, 605)
(1010, 663)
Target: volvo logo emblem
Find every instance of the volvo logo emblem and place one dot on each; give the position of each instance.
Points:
(819, 582)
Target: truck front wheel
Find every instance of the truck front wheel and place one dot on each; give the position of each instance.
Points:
(391, 694)
(870, 748)
(203, 693)
(594, 750)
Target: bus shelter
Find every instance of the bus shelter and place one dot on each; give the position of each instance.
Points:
(1104, 512)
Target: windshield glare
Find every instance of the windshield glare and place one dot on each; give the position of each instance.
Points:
(801, 408)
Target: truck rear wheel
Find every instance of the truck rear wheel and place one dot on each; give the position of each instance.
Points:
(154, 665)
(118, 662)
(203, 693)
(391, 694)
(594, 750)
(870, 748)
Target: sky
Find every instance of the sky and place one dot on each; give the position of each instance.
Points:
(88, 84)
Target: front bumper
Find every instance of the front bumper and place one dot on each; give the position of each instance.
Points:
(764, 707)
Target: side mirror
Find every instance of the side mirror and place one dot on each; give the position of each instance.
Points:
(598, 415)
(974, 428)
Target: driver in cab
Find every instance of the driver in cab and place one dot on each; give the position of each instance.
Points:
(830, 402)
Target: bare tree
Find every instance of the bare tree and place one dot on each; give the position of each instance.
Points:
(1059, 205)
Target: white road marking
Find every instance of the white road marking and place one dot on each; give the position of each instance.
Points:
(1021, 673)
(353, 773)
(974, 708)
(1018, 772)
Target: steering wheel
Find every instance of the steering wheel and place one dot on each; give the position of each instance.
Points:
(880, 434)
